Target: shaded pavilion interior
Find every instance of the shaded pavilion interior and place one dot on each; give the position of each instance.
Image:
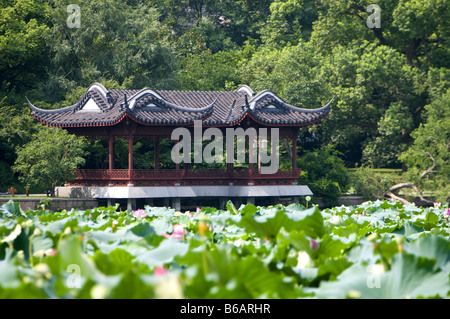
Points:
(150, 117)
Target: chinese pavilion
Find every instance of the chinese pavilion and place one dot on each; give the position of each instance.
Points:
(153, 115)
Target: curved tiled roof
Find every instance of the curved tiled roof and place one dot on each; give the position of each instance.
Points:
(269, 109)
(101, 107)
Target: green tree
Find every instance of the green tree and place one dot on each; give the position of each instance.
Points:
(325, 174)
(372, 184)
(378, 98)
(419, 29)
(423, 31)
(23, 28)
(50, 158)
(97, 154)
(289, 22)
(210, 72)
(392, 138)
(116, 40)
(428, 158)
(16, 129)
(340, 23)
(223, 24)
(377, 105)
(294, 74)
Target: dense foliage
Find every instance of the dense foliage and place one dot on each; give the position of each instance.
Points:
(325, 174)
(428, 152)
(388, 81)
(376, 250)
(50, 158)
(372, 185)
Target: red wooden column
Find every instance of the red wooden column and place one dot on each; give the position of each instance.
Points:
(259, 153)
(177, 151)
(250, 159)
(230, 161)
(294, 149)
(177, 165)
(250, 156)
(156, 150)
(130, 157)
(111, 152)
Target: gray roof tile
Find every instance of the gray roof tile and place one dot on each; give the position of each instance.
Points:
(179, 108)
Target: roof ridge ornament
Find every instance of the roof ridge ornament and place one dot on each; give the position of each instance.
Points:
(100, 88)
(50, 111)
(266, 94)
(246, 89)
(147, 91)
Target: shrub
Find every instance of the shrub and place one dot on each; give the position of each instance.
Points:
(325, 174)
(50, 158)
(372, 185)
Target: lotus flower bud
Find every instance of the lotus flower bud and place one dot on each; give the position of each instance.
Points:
(447, 212)
(314, 245)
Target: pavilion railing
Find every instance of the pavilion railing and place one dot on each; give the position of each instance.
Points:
(103, 177)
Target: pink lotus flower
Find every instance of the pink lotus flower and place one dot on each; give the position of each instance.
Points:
(363, 212)
(139, 213)
(178, 231)
(314, 245)
(160, 271)
(199, 210)
(447, 212)
(191, 215)
(437, 205)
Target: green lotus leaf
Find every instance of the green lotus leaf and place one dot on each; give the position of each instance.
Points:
(409, 277)
(164, 253)
(432, 247)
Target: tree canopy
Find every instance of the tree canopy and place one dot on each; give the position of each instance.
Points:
(50, 158)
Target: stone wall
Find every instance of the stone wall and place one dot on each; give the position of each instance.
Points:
(345, 200)
(88, 203)
(57, 203)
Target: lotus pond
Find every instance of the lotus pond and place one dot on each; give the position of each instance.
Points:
(376, 250)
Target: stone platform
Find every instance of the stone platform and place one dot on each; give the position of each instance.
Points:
(177, 193)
